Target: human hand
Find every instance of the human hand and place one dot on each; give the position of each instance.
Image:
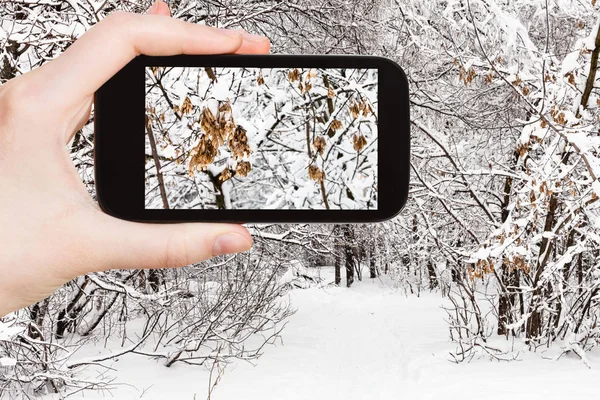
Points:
(51, 231)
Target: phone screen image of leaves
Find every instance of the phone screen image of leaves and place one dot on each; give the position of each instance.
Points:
(250, 138)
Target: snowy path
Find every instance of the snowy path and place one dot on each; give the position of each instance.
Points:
(346, 344)
(367, 342)
(370, 342)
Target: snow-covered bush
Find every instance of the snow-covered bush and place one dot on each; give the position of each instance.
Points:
(505, 162)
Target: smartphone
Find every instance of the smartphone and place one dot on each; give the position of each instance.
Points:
(253, 138)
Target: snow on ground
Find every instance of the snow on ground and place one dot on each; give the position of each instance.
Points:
(367, 342)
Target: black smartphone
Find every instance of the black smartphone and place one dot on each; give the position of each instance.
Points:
(253, 138)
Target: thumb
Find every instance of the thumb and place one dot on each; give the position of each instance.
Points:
(160, 8)
(123, 245)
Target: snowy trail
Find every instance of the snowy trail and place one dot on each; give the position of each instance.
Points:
(346, 344)
(372, 342)
(366, 342)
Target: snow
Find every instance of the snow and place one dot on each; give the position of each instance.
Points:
(570, 63)
(7, 362)
(371, 341)
(7, 332)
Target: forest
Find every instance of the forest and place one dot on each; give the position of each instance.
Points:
(501, 227)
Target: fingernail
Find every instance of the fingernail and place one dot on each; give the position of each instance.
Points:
(153, 8)
(230, 243)
(252, 37)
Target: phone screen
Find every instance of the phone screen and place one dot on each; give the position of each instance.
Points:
(261, 138)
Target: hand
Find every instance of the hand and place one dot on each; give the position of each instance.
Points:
(51, 231)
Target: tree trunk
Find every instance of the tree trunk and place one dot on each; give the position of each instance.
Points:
(37, 314)
(349, 253)
(68, 315)
(433, 280)
(159, 176)
(7, 70)
(338, 254)
(372, 264)
(338, 267)
(534, 323)
(507, 298)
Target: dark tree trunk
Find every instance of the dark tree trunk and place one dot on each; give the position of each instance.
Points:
(349, 253)
(534, 323)
(7, 69)
(433, 280)
(100, 316)
(455, 274)
(372, 264)
(338, 267)
(218, 185)
(68, 315)
(149, 280)
(507, 298)
(37, 313)
(338, 254)
(565, 274)
(591, 78)
(159, 176)
(579, 273)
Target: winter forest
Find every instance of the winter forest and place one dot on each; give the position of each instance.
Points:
(252, 138)
(485, 286)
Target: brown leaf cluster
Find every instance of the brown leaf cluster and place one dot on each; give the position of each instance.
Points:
(202, 155)
(156, 70)
(361, 107)
(545, 189)
(315, 173)
(558, 116)
(186, 107)
(294, 75)
(335, 124)
(480, 268)
(488, 78)
(219, 127)
(311, 74)
(243, 168)
(218, 130)
(319, 144)
(305, 88)
(226, 174)
(238, 143)
(517, 263)
(359, 142)
(467, 76)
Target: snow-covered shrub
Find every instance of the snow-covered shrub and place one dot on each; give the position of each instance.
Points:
(297, 276)
(505, 161)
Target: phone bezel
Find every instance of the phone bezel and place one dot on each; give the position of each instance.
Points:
(119, 139)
